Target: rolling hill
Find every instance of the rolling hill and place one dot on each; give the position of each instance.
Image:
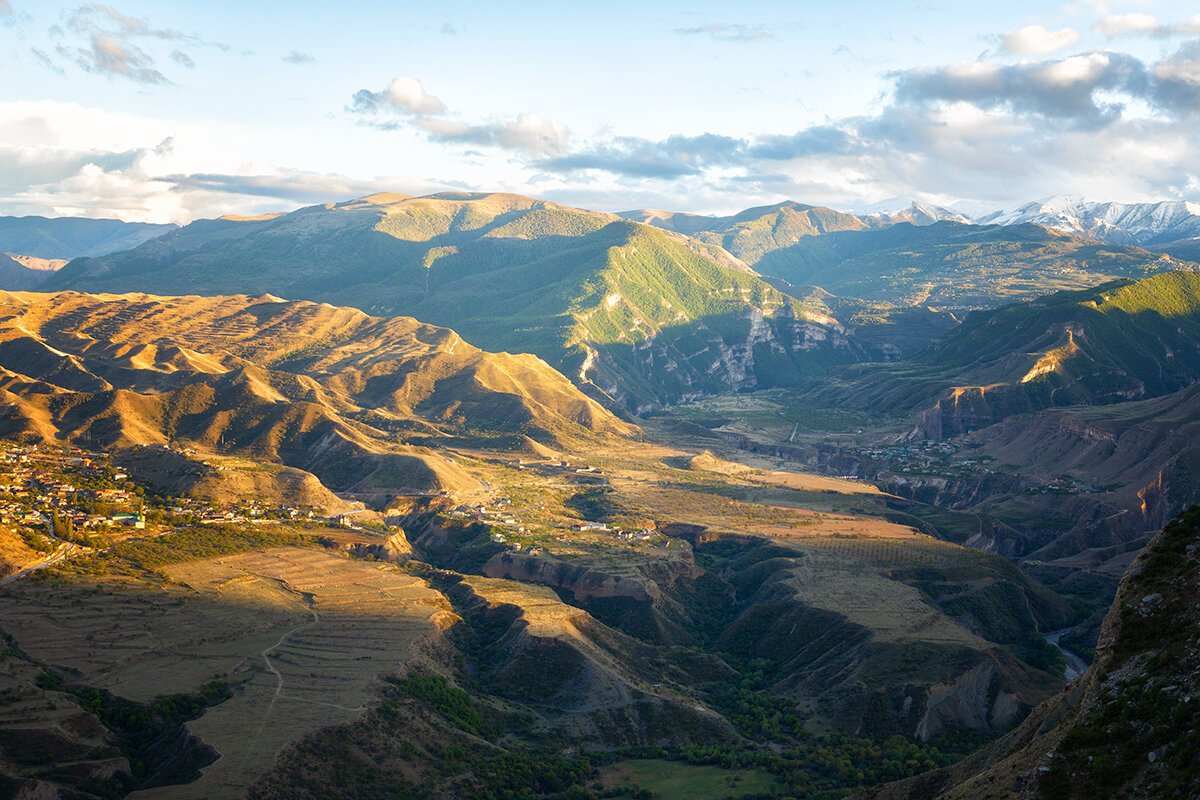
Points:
(1072, 420)
(1126, 340)
(753, 233)
(915, 255)
(71, 237)
(952, 265)
(644, 314)
(354, 399)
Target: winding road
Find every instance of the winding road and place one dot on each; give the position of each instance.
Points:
(64, 550)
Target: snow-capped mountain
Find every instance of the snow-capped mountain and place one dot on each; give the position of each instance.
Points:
(1116, 223)
(905, 209)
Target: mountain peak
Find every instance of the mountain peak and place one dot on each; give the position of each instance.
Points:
(1158, 222)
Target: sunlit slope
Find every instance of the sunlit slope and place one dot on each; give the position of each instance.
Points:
(1123, 341)
(645, 314)
(754, 233)
(355, 399)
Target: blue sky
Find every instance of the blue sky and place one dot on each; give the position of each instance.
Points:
(166, 111)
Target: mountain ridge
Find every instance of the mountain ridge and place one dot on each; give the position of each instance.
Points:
(1122, 728)
(1155, 223)
(609, 300)
(333, 391)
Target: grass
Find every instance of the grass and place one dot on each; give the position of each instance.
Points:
(148, 556)
(676, 780)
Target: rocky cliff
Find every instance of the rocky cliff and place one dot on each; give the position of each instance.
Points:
(1126, 727)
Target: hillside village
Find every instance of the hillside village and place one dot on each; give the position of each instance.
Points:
(57, 495)
(51, 494)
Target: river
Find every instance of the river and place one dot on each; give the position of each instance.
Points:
(1075, 664)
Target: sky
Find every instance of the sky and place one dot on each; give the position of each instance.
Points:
(171, 111)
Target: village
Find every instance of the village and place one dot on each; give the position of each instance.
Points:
(61, 499)
(516, 534)
(940, 458)
(70, 494)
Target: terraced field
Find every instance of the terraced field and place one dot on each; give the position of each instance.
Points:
(305, 636)
(893, 611)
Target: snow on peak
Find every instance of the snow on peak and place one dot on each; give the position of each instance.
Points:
(1116, 223)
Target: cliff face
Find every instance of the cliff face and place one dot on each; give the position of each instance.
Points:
(1126, 727)
(394, 548)
(742, 351)
(867, 676)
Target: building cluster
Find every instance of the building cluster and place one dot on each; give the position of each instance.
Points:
(85, 493)
(40, 483)
(498, 514)
(937, 458)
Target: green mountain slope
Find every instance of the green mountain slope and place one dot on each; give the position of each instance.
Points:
(952, 265)
(1123, 341)
(1072, 419)
(756, 232)
(646, 315)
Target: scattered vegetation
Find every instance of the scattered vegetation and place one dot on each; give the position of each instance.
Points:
(145, 556)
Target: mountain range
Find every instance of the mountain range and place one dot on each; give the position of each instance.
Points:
(580, 430)
(72, 237)
(644, 315)
(1144, 224)
(353, 399)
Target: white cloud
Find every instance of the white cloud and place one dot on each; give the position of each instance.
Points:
(528, 133)
(1181, 70)
(1074, 70)
(1034, 40)
(404, 95)
(1126, 24)
(729, 32)
(100, 39)
(66, 159)
(1117, 25)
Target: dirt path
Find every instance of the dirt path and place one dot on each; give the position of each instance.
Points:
(266, 654)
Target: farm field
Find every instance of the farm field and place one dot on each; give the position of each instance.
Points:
(674, 780)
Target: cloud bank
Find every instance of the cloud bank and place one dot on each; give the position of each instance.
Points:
(405, 102)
